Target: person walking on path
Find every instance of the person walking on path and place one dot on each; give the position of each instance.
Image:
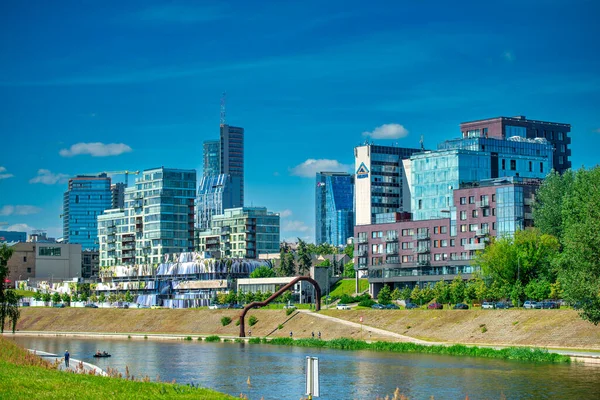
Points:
(67, 356)
(291, 334)
(319, 334)
(313, 335)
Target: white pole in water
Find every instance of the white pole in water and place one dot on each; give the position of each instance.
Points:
(312, 377)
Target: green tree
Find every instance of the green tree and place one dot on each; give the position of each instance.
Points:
(405, 293)
(326, 248)
(349, 271)
(128, 297)
(56, 297)
(250, 297)
(66, 298)
(416, 295)
(287, 265)
(481, 289)
(37, 296)
(102, 298)
(538, 290)
(457, 290)
(46, 298)
(427, 294)
(304, 258)
(286, 296)
(349, 251)
(262, 272)
(396, 294)
(442, 292)
(324, 263)
(9, 301)
(112, 297)
(517, 293)
(93, 298)
(556, 291)
(549, 200)
(384, 296)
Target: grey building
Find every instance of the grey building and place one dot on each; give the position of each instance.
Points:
(232, 160)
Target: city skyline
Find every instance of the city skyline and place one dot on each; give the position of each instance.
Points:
(139, 85)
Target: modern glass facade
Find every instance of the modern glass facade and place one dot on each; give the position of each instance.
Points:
(158, 219)
(86, 198)
(212, 157)
(334, 208)
(509, 210)
(232, 159)
(214, 197)
(10, 236)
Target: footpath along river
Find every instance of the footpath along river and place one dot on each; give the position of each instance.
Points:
(277, 372)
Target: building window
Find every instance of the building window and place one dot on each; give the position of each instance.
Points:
(561, 159)
(486, 212)
(436, 230)
(493, 225)
(376, 234)
(472, 227)
(513, 165)
(530, 166)
(49, 251)
(463, 215)
(444, 243)
(463, 241)
(541, 167)
(452, 242)
(437, 257)
(436, 243)
(493, 212)
(493, 198)
(471, 199)
(24, 258)
(475, 214)
(443, 229)
(463, 200)
(563, 149)
(463, 228)
(560, 135)
(503, 164)
(28, 270)
(420, 204)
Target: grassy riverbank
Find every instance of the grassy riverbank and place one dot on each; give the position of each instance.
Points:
(510, 353)
(25, 376)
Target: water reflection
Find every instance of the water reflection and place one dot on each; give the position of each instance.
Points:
(277, 373)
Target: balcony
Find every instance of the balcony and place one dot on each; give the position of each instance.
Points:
(423, 263)
(482, 231)
(422, 236)
(422, 250)
(129, 247)
(391, 238)
(474, 246)
(250, 230)
(225, 229)
(127, 239)
(528, 216)
(482, 204)
(528, 201)
(362, 240)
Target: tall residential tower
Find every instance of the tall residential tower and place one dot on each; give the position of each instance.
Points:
(334, 208)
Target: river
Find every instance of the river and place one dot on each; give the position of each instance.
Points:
(277, 372)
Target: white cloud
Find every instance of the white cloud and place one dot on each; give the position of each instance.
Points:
(508, 56)
(295, 226)
(310, 167)
(388, 131)
(96, 149)
(3, 174)
(285, 213)
(48, 178)
(19, 210)
(20, 228)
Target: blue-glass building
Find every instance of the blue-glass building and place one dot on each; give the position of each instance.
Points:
(10, 236)
(86, 198)
(334, 208)
(215, 195)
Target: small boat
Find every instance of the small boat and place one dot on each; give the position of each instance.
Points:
(102, 355)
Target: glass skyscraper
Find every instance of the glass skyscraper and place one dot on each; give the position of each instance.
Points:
(214, 197)
(212, 157)
(86, 198)
(334, 208)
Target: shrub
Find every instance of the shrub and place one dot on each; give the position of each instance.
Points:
(280, 326)
(252, 320)
(212, 338)
(188, 338)
(483, 329)
(366, 303)
(199, 338)
(128, 336)
(225, 321)
(289, 311)
(254, 340)
(237, 322)
(145, 336)
(345, 299)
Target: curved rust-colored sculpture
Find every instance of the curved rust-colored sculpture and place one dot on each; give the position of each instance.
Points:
(257, 304)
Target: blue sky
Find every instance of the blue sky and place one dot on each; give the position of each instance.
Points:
(305, 79)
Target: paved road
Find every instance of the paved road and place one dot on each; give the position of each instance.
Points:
(74, 364)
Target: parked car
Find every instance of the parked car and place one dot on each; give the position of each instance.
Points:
(237, 306)
(91, 305)
(411, 306)
(378, 306)
(530, 304)
(343, 307)
(59, 305)
(549, 304)
(503, 305)
(488, 305)
(392, 306)
(435, 306)
(461, 306)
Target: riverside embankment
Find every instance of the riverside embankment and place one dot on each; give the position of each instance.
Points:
(540, 328)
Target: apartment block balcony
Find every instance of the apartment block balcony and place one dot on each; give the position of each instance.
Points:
(423, 263)
(128, 247)
(363, 240)
(250, 230)
(111, 239)
(474, 246)
(482, 232)
(391, 238)
(364, 253)
(482, 204)
(128, 238)
(422, 236)
(225, 229)
(422, 250)
(528, 215)
(528, 201)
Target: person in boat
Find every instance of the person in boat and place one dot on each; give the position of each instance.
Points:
(104, 353)
(98, 353)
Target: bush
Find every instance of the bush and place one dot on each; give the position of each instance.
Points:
(364, 296)
(345, 299)
(225, 321)
(280, 326)
(188, 338)
(366, 303)
(252, 320)
(237, 322)
(212, 338)
(289, 311)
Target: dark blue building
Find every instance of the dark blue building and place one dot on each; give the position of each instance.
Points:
(10, 236)
(334, 208)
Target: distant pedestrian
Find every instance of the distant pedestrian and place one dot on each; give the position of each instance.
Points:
(319, 334)
(291, 334)
(67, 356)
(313, 335)
(249, 333)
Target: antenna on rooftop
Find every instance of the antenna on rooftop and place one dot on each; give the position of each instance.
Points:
(422, 141)
(223, 99)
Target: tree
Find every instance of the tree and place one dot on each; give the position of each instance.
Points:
(286, 262)
(324, 263)
(349, 251)
(573, 199)
(37, 296)
(9, 301)
(442, 292)
(286, 296)
(93, 298)
(262, 272)
(405, 293)
(128, 297)
(46, 298)
(304, 258)
(516, 294)
(66, 298)
(326, 248)
(384, 296)
(538, 290)
(396, 294)
(56, 297)
(416, 295)
(349, 271)
(457, 290)
(102, 298)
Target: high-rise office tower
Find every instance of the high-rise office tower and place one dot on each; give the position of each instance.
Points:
(86, 198)
(334, 200)
(380, 185)
(505, 127)
(158, 219)
(118, 194)
(232, 160)
(214, 196)
(212, 157)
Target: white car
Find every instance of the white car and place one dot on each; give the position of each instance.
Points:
(343, 307)
(488, 305)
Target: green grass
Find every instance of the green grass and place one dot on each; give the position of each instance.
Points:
(509, 353)
(24, 293)
(25, 376)
(347, 286)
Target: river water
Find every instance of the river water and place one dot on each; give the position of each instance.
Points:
(277, 372)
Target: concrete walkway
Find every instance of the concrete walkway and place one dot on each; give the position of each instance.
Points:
(74, 364)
